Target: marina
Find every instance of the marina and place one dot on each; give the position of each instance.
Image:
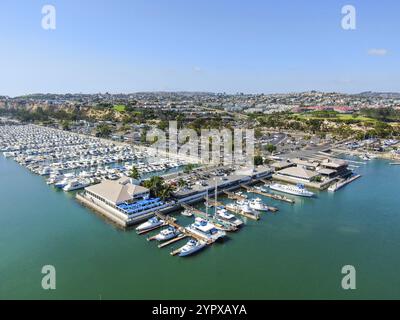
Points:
(72, 162)
(317, 230)
(100, 169)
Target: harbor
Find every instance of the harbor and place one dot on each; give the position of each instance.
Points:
(340, 227)
(72, 162)
(100, 171)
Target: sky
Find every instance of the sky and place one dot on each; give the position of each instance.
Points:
(252, 46)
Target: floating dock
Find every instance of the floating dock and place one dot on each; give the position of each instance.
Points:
(170, 221)
(176, 239)
(341, 184)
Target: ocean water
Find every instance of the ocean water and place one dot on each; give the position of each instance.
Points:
(297, 253)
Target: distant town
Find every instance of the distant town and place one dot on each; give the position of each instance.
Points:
(127, 117)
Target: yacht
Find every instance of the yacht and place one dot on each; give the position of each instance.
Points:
(167, 234)
(191, 247)
(224, 215)
(297, 190)
(55, 178)
(206, 229)
(241, 194)
(233, 207)
(187, 213)
(45, 171)
(149, 224)
(61, 184)
(245, 207)
(76, 185)
(257, 204)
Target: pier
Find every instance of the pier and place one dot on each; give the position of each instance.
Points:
(170, 221)
(269, 195)
(176, 239)
(341, 184)
(234, 196)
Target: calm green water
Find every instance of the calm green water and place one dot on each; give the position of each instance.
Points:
(297, 253)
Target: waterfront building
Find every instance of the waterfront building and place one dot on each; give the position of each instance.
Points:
(114, 193)
(298, 174)
(334, 168)
(121, 201)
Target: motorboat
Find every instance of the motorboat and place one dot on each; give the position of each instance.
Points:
(241, 194)
(297, 190)
(206, 229)
(244, 206)
(167, 234)
(256, 204)
(149, 224)
(191, 247)
(187, 213)
(77, 184)
(224, 215)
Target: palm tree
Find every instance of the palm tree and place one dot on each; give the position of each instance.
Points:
(166, 192)
(134, 174)
(155, 184)
(182, 183)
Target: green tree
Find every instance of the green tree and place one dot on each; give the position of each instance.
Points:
(188, 168)
(103, 131)
(270, 147)
(65, 124)
(182, 183)
(134, 173)
(158, 188)
(258, 160)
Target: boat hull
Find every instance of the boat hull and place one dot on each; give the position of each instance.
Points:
(306, 195)
(192, 251)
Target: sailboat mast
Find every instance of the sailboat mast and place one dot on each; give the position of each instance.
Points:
(216, 196)
(207, 203)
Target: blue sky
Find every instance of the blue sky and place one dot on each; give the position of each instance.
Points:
(229, 46)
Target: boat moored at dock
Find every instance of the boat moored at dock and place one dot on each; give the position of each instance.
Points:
(150, 224)
(205, 229)
(224, 215)
(191, 247)
(167, 234)
(297, 190)
(256, 204)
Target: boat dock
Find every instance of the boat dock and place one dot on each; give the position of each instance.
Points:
(172, 222)
(219, 204)
(234, 196)
(225, 226)
(267, 182)
(269, 195)
(176, 239)
(341, 184)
